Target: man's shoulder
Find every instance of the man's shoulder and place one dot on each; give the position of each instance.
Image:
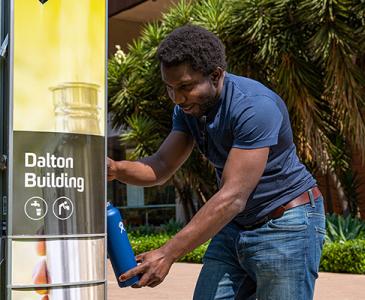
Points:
(248, 88)
(244, 84)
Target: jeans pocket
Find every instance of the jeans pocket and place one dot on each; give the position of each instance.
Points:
(318, 221)
(320, 230)
(292, 220)
(273, 225)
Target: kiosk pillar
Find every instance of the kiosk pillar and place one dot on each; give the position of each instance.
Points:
(54, 236)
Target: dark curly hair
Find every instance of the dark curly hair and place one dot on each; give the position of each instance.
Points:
(194, 45)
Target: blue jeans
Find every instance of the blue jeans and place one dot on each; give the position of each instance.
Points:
(277, 261)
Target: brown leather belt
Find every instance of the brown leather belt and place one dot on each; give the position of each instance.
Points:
(300, 200)
(278, 212)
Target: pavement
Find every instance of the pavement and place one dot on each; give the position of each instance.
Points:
(179, 285)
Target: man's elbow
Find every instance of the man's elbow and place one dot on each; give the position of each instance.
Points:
(235, 202)
(162, 181)
(238, 204)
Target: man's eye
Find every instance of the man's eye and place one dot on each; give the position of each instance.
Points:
(187, 87)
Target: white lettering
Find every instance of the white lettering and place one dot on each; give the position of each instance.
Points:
(41, 162)
(30, 159)
(60, 162)
(51, 161)
(48, 161)
(80, 184)
(69, 163)
(30, 180)
(53, 180)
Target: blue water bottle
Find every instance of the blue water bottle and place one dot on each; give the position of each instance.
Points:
(119, 248)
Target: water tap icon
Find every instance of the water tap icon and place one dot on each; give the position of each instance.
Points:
(63, 206)
(37, 207)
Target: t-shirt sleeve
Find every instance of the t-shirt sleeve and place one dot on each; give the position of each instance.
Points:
(257, 123)
(178, 121)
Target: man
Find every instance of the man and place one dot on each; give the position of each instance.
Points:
(267, 219)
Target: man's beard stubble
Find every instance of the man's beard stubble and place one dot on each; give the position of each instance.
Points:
(208, 105)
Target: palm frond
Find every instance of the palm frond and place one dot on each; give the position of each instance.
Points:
(142, 135)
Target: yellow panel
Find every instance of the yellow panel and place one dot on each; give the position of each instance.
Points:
(59, 44)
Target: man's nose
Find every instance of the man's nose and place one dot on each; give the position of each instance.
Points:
(177, 98)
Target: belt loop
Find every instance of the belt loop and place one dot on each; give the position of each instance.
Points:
(311, 198)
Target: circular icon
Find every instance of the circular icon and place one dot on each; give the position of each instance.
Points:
(35, 208)
(63, 208)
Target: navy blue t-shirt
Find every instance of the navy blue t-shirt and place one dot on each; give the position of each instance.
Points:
(249, 116)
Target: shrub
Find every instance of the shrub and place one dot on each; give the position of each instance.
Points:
(146, 243)
(170, 228)
(195, 256)
(344, 257)
(341, 228)
(142, 230)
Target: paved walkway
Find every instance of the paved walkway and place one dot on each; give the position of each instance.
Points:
(179, 285)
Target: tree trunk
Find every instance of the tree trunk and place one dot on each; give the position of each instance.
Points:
(341, 193)
(185, 198)
(328, 199)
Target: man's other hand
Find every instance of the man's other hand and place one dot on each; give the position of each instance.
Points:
(153, 268)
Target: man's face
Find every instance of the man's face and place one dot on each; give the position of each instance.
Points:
(191, 90)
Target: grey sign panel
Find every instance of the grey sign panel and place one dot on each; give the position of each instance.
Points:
(58, 184)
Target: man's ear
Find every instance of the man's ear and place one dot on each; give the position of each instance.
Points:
(216, 75)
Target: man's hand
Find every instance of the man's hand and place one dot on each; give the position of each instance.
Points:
(153, 268)
(111, 169)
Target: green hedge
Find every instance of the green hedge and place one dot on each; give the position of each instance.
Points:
(345, 257)
(341, 257)
(146, 243)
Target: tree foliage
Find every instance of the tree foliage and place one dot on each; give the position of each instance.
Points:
(311, 52)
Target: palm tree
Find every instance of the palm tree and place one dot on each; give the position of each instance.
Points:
(311, 52)
(138, 102)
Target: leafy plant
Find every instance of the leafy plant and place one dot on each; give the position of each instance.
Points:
(146, 243)
(310, 52)
(141, 244)
(170, 228)
(142, 230)
(347, 257)
(344, 257)
(342, 229)
(142, 135)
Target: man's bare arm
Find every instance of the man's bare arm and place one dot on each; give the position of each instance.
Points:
(157, 168)
(241, 174)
